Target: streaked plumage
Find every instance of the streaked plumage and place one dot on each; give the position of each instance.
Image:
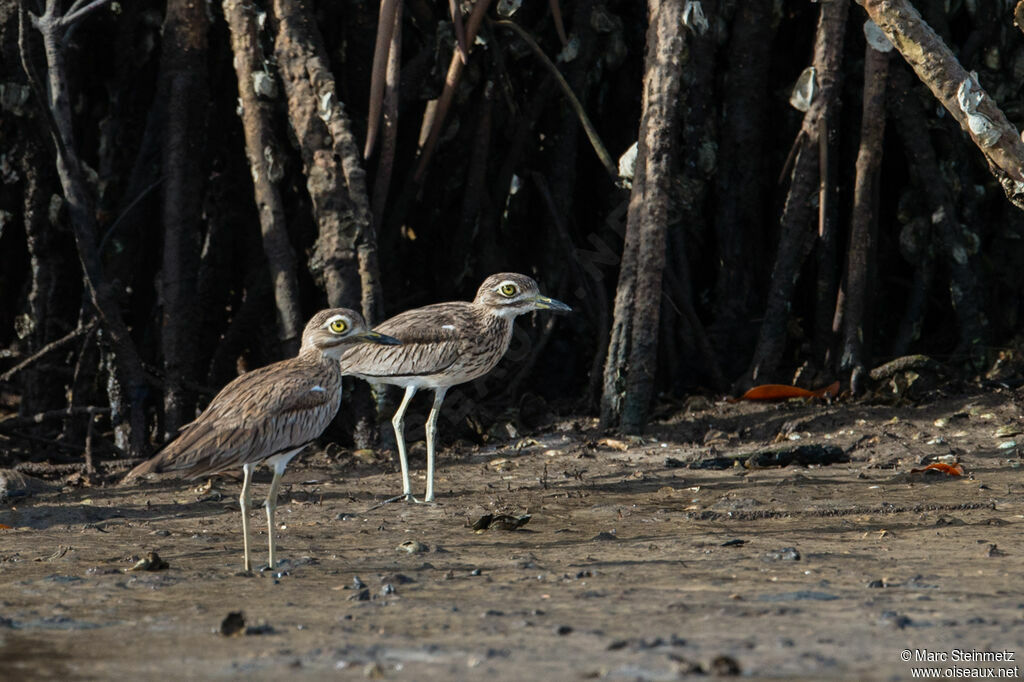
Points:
(444, 345)
(269, 414)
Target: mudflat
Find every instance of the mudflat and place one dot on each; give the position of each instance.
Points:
(677, 554)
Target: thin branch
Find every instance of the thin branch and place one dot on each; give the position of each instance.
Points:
(461, 46)
(128, 209)
(556, 15)
(68, 412)
(574, 102)
(389, 120)
(47, 349)
(74, 14)
(433, 119)
(378, 74)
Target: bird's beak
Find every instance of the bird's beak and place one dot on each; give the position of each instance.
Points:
(548, 303)
(377, 337)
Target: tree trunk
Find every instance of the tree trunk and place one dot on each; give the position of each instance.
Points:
(965, 291)
(185, 98)
(864, 222)
(740, 219)
(796, 239)
(126, 382)
(345, 252)
(266, 163)
(632, 353)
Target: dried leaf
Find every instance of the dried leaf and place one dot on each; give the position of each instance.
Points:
(950, 469)
(785, 391)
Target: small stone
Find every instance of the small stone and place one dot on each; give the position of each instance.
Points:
(413, 547)
(894, 620)
(724, 666)
(150, 562)
(361, 595)
(233, 624)
(784, 554)
(563, 630)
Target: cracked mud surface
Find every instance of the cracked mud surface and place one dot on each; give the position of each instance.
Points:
(627, 569)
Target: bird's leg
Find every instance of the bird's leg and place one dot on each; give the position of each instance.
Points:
(244, 501)
(398, 421)
(431, 433)
(271, 505)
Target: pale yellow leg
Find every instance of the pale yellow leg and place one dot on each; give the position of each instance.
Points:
(245, 502)
(431, 433)
(271, 505)
(398, 421)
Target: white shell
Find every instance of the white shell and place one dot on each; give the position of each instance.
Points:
(983, 128)
(805, 90)
(968, 96)
(264, 85)
(876, 38)
(507, 8)
(693, 17)
(627, 163)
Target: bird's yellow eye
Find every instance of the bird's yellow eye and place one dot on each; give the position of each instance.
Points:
(509, 290)
(338, 326)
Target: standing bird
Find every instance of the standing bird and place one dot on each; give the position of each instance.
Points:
(443, 345)
(269, 414)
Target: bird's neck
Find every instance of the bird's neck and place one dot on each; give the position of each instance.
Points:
(509, 313)
(318, 356)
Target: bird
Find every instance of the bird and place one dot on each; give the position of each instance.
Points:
(268, 415)
(443, 345)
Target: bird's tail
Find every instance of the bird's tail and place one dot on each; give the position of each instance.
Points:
(153, 465)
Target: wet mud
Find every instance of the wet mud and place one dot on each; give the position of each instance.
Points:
(636, 561)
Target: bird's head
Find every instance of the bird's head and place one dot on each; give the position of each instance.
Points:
(510, 294)
(335, 330)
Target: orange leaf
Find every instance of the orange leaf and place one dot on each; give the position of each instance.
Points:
(4, 526)
(951, 469)
(784, 392)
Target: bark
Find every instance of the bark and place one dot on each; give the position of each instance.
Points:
(632, 353)
(796, 239)
(965, 289)
(937, 68)
(740, 188)
(126, 372)
(184, 96)
(697, 169)
(49, 296)
(266, 164)
(864, 222)
(345, 252)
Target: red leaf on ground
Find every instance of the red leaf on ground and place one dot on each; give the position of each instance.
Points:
(951, 469)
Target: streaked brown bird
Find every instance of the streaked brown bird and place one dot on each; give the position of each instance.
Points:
(268, 415)
(443, 345)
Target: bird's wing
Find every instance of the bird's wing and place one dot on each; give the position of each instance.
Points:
(270, 410)
(432, 338)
